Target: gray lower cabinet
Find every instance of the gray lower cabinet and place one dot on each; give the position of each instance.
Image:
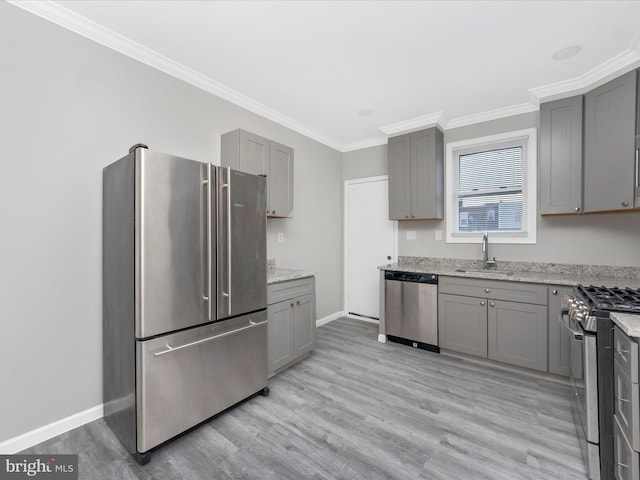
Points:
(462, 324)
(291, 322)
(479, 317)
(559, 337)
(517, 334)
(251, 153)
(609, 145)
(416, 175)
(561, 156)
(627, 407)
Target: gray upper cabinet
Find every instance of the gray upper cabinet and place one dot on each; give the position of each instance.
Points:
(251, 153)
(609, 145)
(561, 156)
(280, 178)
(416, 175)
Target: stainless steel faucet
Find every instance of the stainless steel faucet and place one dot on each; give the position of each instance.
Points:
(485, 250)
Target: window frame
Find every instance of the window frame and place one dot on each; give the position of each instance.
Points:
(528, 139)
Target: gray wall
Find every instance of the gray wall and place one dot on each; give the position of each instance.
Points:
(70, 106)
(599, 239)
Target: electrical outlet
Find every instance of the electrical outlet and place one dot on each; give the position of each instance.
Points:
(280, 237)
(411, 234)
(438, 234)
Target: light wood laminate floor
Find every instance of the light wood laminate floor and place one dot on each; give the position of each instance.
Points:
(359, 409)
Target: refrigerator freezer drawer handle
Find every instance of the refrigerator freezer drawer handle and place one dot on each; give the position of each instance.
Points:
(208, 339)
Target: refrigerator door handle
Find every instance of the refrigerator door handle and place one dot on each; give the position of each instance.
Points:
(227, 186)
(207, 295)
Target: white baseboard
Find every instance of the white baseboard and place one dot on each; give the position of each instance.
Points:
(329, 318)
(363, 319)
(34, 437)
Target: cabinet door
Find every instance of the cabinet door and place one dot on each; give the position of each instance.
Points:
(561, 156)
(559, 337)
(462, 322)
(254, 154)
(304, 325)
(426, 174)
(280, 179)
(280, 342)
(518, 334)
(399, 159)
(609, 141)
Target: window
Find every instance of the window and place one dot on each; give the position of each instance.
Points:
(491, 185)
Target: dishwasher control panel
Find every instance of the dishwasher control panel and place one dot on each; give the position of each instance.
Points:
(412, 277)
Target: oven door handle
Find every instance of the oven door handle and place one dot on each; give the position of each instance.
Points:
(563, 318)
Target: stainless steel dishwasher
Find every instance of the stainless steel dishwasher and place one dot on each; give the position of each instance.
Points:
(411, 309)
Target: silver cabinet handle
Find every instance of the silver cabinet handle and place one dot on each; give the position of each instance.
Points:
(273, 212)
(625, 204)
(623, 400)
(482, 303)
(623, 465)
(577, 209)
(492, 304)
(413, 216)
(555, 292)
(486, 290)
(208, 339)
(621, 351)
(406, 216)
(637, 172)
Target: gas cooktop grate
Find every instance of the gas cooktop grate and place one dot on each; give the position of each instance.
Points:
(612, 299)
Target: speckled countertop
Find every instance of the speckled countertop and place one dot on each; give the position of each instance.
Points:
(532, 272)
(275, 275)
(628, 322)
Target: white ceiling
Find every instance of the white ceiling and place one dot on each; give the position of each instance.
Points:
(313, 65)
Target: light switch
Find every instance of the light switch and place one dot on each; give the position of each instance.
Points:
(411, 234)
(280, 237)
(438, 234)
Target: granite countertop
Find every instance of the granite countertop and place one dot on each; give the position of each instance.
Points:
(550, 274)
(629, 323)
(275, 275)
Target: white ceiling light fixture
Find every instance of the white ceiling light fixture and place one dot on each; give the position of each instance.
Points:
(365, 112)
(567, 52)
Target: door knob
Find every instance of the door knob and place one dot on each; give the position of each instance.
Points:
(388, 257)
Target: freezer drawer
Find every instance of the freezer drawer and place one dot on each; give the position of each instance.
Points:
(187, 377)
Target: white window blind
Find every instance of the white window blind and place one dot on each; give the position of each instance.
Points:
(490, 190)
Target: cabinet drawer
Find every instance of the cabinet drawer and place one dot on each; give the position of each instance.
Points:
(626, 462)
(626, 406)
(281, 291)
(494, 289)
(626, 354)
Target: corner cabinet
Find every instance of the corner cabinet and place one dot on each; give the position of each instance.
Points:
(416, 175)
(251, 153)
(502, 321)
(561, 156)
(291, 322)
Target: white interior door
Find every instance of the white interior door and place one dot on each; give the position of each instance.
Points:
(370, 241)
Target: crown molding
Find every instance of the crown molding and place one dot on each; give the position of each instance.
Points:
(424, 121)
(616, 66)
(370, 142)
(491, 115)
(70, 20)
(55, 13)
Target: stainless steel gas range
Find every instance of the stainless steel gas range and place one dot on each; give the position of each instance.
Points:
(586, 314)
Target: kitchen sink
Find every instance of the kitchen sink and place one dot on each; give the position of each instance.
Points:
(483, 271)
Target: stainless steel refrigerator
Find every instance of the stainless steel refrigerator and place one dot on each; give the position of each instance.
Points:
(184, 294)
